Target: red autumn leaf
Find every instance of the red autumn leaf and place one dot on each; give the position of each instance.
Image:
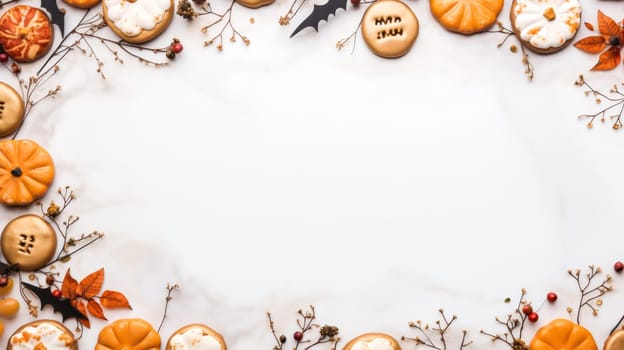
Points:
(591, 44)
(113, 300)
(68, 288)
(606, 25)
(80, 306)
(608, 59)
(95, 309)
(589, 26)
(90, 286)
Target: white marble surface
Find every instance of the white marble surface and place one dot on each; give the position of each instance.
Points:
(283, 174)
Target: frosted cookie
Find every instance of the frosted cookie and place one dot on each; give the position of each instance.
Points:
(389, 28)
(29, 242)
(25, 33)
(615, 341)
(137, 21)
(128, 334)
(254, 4)
(545, 26)
(195, 337)
(372, 341)
(466, 16)
(11, 110)
(43, 334)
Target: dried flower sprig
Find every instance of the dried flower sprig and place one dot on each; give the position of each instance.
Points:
(187, 10)
(590, 289)
(615, 105)
(529, 70)
(351, 38)
(293, 10)
(514, 325)
(171, 287)
(440, 328)
(305, 323)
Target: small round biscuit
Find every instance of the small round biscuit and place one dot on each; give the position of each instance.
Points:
(373, 341)
(138, 21)
(11, 110)
(194, 337)
(389, 28)
(42, 334)
(29, 242)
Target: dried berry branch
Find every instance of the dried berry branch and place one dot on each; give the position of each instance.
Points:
(186, 10)
(294, 8)
(616, 103)
(529, 70)
(305, 323)
(590, 290)
(351, 38)
(168, 298)
(514, 325)
(440, 328)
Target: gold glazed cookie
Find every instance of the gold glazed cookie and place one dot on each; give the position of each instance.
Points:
(138, 21)
(83, 4)
(254, 4)
(196, 337)
(545, 26)
(25, 33)
(11, 110)
(615, 341)
(42, 334)
(28, 241)
(373, 341)
(389, 28)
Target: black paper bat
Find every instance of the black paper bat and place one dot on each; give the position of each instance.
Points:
(56, 15)
(5, 269)
(320, 13)
(61, 305)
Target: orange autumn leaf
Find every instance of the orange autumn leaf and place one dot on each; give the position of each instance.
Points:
(608, 59)
(68, 288)
(589, 26)
(80, 306)
(95, 309)
(606, 25)
(90, 286)
(591, 44)
(111, 299)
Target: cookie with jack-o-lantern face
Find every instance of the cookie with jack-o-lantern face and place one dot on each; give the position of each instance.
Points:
(389, 28)
(138, 21)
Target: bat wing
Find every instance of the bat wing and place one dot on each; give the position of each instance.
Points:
(320, 13)
(56, 15)
(62, 305)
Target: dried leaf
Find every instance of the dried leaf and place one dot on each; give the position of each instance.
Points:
(589, 26)
(591, 44)
(608, 59)
(80, 306)
(95, 309)
(68, 288)
(90, 286)
(606, 25)
(112, 300)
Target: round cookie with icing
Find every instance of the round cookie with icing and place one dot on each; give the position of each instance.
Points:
(11, 110)
(373, 341)
(389, 28)
(138, 21)
(195, 337)
(466, 16)
(43, 334)
(25, 33)
(545, 26)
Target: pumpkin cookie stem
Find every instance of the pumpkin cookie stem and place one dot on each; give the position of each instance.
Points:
(616, 101)
(441, 327)
(168, 298)
(590, 292)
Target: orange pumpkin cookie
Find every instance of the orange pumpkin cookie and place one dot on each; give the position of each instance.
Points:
(389, 28)
(11, 110)
(466, 16)
(195, 337)
(42, 334)
(545, 26)
(373, 341)
(25, 33)
(128, 334)
(254, 4)
(138, 21)
(615, 341)
(26, 172)
(83, 4)
(562, 334)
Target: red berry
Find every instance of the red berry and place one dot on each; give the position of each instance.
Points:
(15, 68)
(298, 336)
(618, 266)
(177, 47)
(533, 317)
(4, 281)
(552, 297)
(527, 309)
(355, 3)
(4, 57)
(56, 293)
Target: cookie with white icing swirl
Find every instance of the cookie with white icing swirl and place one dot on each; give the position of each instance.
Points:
(138, 21)
(43, 334)
(196, 337)
(373, 341)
